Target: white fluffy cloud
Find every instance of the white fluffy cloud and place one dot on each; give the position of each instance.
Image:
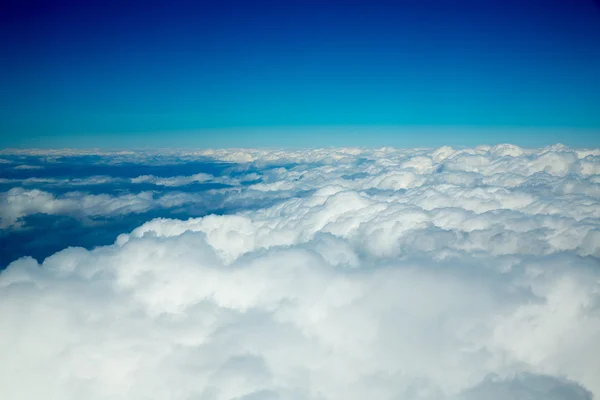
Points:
(25, 166)
(90, 180)
(173, 180)
(19, 202)
(170, 181)
(389, 274)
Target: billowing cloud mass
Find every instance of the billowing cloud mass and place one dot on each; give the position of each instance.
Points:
(365, 274)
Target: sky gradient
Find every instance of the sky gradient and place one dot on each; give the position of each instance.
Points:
(291, 73)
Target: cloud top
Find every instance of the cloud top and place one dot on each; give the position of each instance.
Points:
(414, 274)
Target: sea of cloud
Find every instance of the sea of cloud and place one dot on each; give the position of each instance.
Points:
(428, 274)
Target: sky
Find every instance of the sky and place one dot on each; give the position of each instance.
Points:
(299, 73)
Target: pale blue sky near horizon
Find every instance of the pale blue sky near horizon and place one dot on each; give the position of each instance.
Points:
(313, 137)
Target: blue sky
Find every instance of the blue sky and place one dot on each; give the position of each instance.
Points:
(265, 74)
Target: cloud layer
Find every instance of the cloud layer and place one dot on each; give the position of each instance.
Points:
(387, 274)
(19, 202)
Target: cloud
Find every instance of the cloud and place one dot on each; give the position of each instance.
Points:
(91, 180)
(25, 166)
(527, 386)
(19, 202)
(174, 180)
(415, 274)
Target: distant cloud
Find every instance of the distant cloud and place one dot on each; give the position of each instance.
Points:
(25, 166)
(18, 202)
(174, 180)
(92, 180)
(420, 274)
(103, 180)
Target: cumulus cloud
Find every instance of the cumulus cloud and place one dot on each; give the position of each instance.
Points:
(527, 386)
(389, 274)
(25, 166)
(173, 180)
(91, 180)
(19, 202)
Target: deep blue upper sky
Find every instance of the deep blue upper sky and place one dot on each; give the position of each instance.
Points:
(102, 73)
